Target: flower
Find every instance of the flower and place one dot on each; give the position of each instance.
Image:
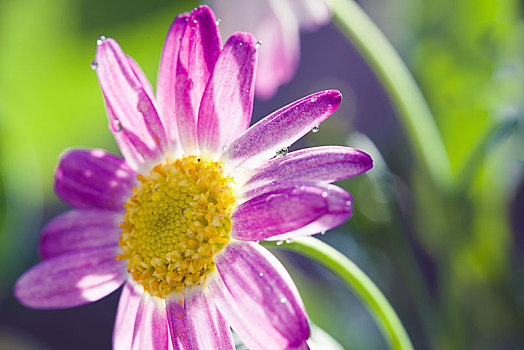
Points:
(177, 222)
(277, 24)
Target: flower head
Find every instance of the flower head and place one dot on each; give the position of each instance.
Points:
(177, 221)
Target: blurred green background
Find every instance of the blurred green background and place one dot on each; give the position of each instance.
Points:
(450, 262)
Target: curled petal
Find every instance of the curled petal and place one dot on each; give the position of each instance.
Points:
(166, 82)
(280, 129)
(78, 230)
(319, 164)
(132, 115)
(198, 53)
(94, 179)
(195, 323)
(290, 210)
(258, 298)
(227, 103)
(71, 279)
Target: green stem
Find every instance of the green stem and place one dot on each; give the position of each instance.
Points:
(399, 84)
(359, 283)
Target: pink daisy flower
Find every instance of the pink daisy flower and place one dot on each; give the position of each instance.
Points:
(177, 222)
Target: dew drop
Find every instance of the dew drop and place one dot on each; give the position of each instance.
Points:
(261, 274)
(94, 65)
(240, 44)
(283, 300)
(289, 241)
(314, 99)
(116, 126)
(282, 152)
(100, 40)
(279, 242)
(316, 128)
(324, 194)
(348, 203)
(322, 232)
(218, 21)
(258, 44)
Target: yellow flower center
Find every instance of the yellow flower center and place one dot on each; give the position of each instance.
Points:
(176, 221)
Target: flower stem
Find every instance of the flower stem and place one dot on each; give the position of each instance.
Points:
(399, 84)
(359, 283)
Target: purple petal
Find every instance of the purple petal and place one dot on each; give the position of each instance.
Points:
(197, 324)
(289, 210)
(198, 53)
(258, 298)
(94, 179)
(319, 164)
(151, 330)
(281, 129)
(72, 279)
(78, 230)
(132, 114)
(227, 103)
(166, 82)
(125, 318)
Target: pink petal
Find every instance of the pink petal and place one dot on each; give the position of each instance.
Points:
(151, 330)
(312, 14)
(289, 210)
(227, 103)
(94, 179)
(78, 230)
(197, 324)
(125, 318)
(72, 279)
(281, 129)
(319, 164)
(166, 82)
(280, 51)
(258, 298)
(198, 53)
(132, 114)
(139, 74)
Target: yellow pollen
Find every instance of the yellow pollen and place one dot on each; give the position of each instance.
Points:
(176, 221)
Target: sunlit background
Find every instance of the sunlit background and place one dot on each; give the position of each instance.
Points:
(451, 264)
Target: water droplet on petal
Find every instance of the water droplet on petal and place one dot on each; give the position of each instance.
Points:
(316, 128)
(258, 44)
(348, 203)
(279, 242)
(282, 152)
(261, 274)
(283, 300)
(324, 194)
(100, 40)
(240, 44)
(217, 22)
(94, 65)
(115, 126)
(314, 99)
(322, 232)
